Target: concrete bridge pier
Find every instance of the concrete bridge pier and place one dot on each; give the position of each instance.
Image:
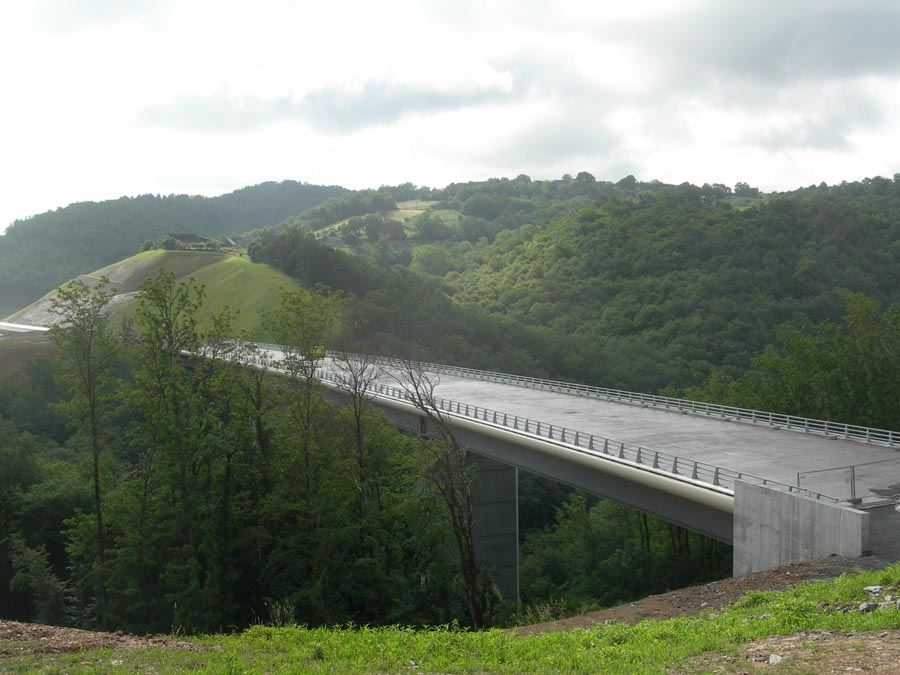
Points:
(495, 493)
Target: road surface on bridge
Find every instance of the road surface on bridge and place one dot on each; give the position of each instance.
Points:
(757, 449)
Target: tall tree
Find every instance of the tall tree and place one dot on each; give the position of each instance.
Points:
(848, 372)
(446, 466)
(358, 374)
(84, 334)
(167, 324)
(302, 325)
(187, 397)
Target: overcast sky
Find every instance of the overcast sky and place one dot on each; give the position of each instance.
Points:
(104, 98)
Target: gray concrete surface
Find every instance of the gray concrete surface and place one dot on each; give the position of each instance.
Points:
(773, 528)
(495, 496)
(884, 529)
(768, 527)
(751, 448)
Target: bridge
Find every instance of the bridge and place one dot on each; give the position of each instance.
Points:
(21, 328)
(780, 488)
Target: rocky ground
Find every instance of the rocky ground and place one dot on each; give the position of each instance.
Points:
(712, 596)
(17, 639)
(819, 652)
(825, 652)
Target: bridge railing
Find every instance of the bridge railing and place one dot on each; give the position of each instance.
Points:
(842, 480)
(598, 446)
(849, 432)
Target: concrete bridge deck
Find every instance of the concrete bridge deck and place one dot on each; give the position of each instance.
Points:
(768, 524)
(816, 461)
(757, 449)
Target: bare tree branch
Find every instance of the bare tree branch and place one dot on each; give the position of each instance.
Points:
(446, 466)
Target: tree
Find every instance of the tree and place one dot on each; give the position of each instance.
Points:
(50, 594)
(170, 243)
(180, 424)
(380, 227)
(847, 372)
(358, 374)
(303, 324)
(429, 226)
(199, 430)
(743, 189)
(85, 337)
(445, 464)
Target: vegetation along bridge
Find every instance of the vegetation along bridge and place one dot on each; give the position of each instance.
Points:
(780, 488)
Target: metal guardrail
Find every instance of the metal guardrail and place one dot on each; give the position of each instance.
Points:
(849, 474)
(849, 432)
(598, 446)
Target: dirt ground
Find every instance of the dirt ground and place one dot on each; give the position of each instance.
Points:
(711, 596)
(19, 639)
(818, 652)
(821, 652)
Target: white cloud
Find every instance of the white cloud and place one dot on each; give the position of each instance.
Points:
(104, 98)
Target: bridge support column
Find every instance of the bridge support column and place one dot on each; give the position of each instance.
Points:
(773, 527)
(495, 494)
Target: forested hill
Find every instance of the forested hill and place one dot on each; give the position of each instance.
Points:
(673, 282)
(41, 252)
(643, 290)
(640, 286)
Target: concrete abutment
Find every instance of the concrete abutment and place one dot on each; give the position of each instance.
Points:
(773, 527)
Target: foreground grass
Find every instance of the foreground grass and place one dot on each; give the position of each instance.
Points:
(649, 647)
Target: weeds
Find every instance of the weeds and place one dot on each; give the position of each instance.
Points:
(281, 613)
(650, 647)
(543, 612)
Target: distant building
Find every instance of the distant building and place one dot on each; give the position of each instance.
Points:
(187, 239)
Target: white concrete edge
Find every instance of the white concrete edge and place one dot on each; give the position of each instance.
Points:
(22, 327)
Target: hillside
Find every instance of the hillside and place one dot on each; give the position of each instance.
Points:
(41, 252)
(658, 290)
(230, 280)
(770, 620)
(637, 286)
(245, 472)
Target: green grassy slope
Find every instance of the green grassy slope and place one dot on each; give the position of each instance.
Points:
(41, 252)
(650, 647)
(127, 275)
(244, 287)
(234, 282)
(231, 281)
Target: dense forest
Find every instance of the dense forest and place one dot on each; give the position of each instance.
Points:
(148, 492)
(41, 252)
(642, 286)
(200, 495)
